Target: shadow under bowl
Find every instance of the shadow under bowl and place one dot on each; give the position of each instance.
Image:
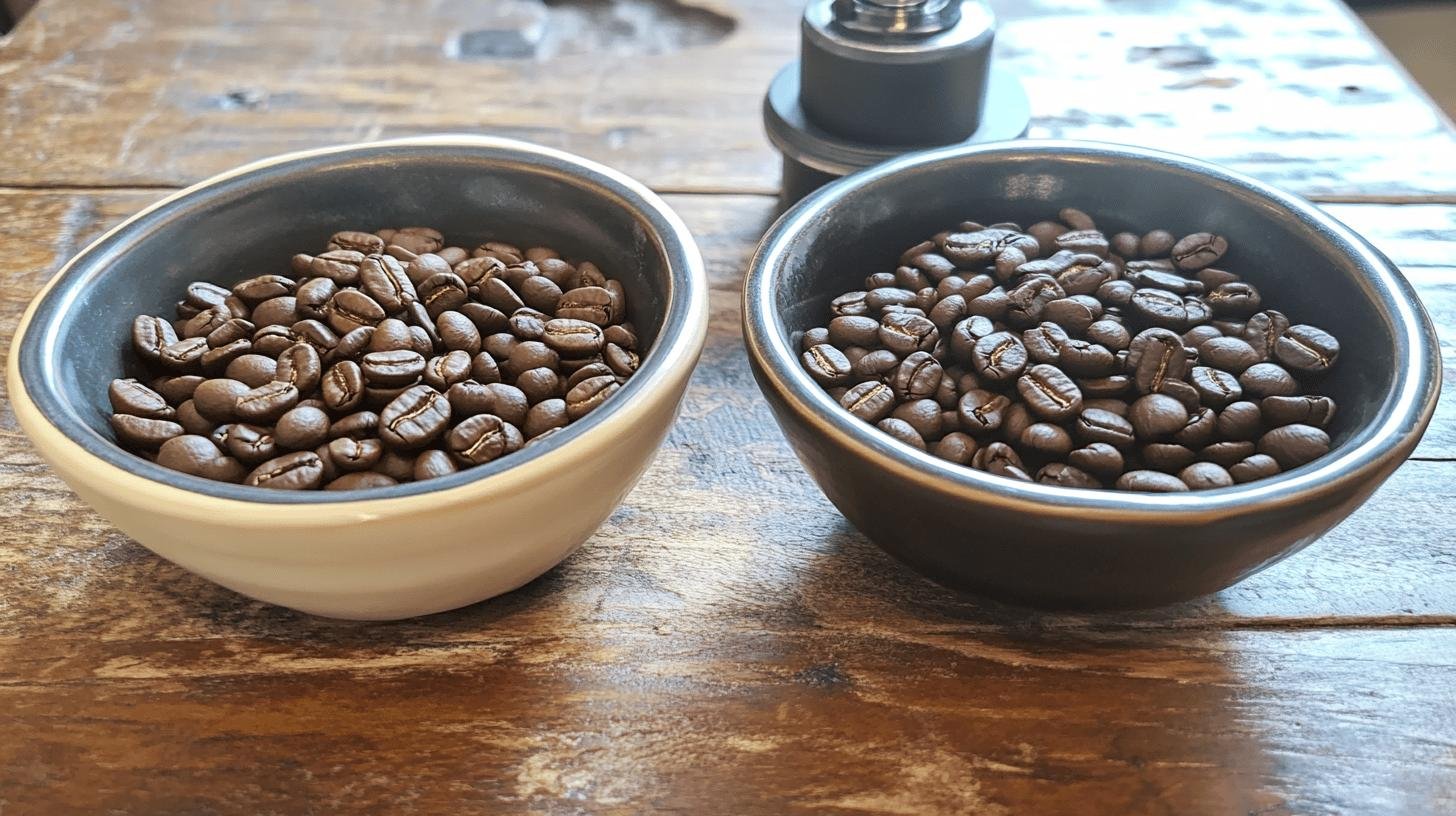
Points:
(1059, 547)
(388, 552)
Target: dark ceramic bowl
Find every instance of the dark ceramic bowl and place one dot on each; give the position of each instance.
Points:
(1060, 547)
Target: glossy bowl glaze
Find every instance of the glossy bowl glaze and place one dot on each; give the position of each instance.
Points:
(392, 552)
(1060, 547)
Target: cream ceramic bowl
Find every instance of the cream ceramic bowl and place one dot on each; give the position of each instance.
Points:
(394, 552)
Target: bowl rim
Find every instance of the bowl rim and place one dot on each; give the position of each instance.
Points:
(671, 358)
(1398, 424)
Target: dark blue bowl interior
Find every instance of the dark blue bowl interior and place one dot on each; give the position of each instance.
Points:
(253, 224)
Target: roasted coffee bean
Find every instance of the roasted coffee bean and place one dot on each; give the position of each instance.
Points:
(827, 365)
(1044, 343)
(917, 377)
(279, 311)
(433, 464)
(1157, 416)
(1227, 454)
(539, 384)
(588, 395)
(216, 400)
(198, 456)
(134, 399)
(1045, 439)
(577, 338)
(251, 444)
(1150, 481)
(623, 363)
(902, 431)
(254, 291)
(301, 470)
(1228, 353)
(144, 432)
(184, 355)
(301, 428)
(1099, 459)
(1116, 293)
(1109, 334)
(417, 240)
(904, 333)
(999, 357)
(1050, 393)
(446, 292)
(1268, 380)
(849, 303)
(1216, 388)
(1263, 330)
(207, 321)
(1097, 425)
(1194, 252)
(1080, 358)
(1028, 299)
(1002, 460)
(924, 415)
(1253, 468)
(1236, 299)
(364, 480)
(1154, 357)
(1159, 308)
(1294, 445)
(966, 333)
(349, 454)
(956, 447)
(1199, 429)
(300, 366)
(349, 309)
(1063, 475)
(869, 401)
(343, 386)
(383, 279)
(1306, 410)
(544, 417)
(484, 438)
(390, 335)
(1112, 386)
(623, 334)
(1307, 349)
(593, 304)
(234, 330)
(177, 390)
(392, 369)
(414, 418)
(253, 369)
(359, 425)
(1239, 421)
(1205, 476)
(362, 242)
(445, 370)
(982, 412)
(266, 403)
(1168, 457)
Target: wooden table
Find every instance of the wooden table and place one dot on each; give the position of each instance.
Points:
(727, 643)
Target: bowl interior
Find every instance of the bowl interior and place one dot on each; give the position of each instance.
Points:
(251, 223)
(1300, 265)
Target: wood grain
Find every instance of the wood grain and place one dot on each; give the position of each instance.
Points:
(1308, 102)
(726, 643)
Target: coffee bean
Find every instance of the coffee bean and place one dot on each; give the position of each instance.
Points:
(1253, 468)
(956, 447)
(827, 365)
(1063, 475)
(1097, 425)
(982, 412)
(1168, 457)
(1049, 393)
(251, 444)
(1216, 387)
(593, 304)
(198, 456)
(1150, 481)
(1157, 416)
(1234, 299)
(343, 386)
(433, 464)
(392, 369)
(1294, 445)
(1205, 476)
(1046, 439)
(1307, 349)
(383, 279)
(365, 480)
(217, 399)
(1154, 357)
(545, 416)
(900, 430)
(414, 418)
(1002, 460)
(302, 428)
(623, 363)
(1228, 353)
(1083, 359)
(588, 395)
(144, 432)
(1227, 454)
(1044, 343)
(1194, 252)
(365, 243)
(905, 333)
(1268, 380)
(254, 291)
(134, 399)
(869, 401)
(350, 454)
(1110, 334)
(1099, 459)
(1305, 410)
(1159, 308)
(999, 357)
(966, 333)
(1199, 429)
(1263, 330)
(266, 403)
(301, 470)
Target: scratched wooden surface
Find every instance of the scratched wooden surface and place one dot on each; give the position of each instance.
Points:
(727, 643)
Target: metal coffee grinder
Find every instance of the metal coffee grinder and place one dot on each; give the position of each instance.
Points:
(877, 78)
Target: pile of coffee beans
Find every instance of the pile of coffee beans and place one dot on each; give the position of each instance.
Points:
(1061, 355)
(390, 357)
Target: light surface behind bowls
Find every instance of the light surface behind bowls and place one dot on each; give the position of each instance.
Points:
(1063, 547)
(403, 550)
